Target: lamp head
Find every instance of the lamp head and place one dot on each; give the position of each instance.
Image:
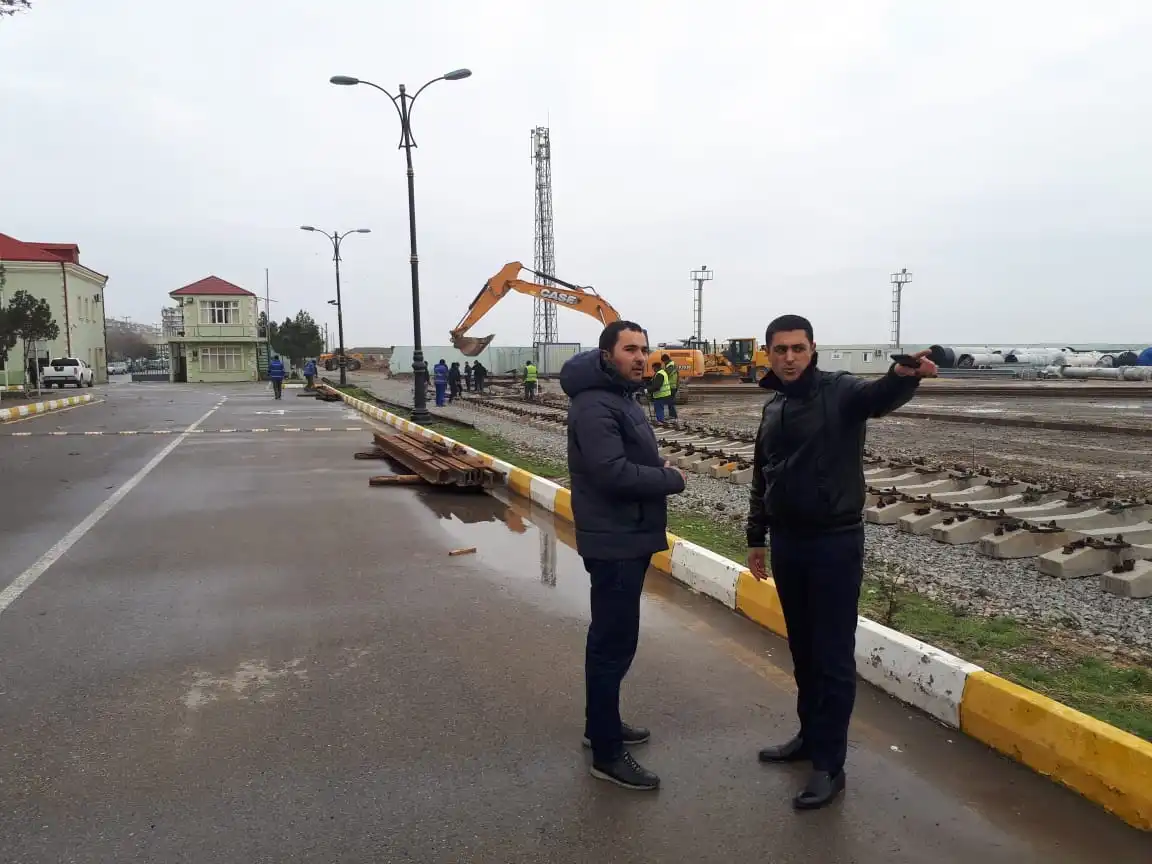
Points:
(457, 74)
(345, 80)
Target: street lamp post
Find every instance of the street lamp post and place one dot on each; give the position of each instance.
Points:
(335, 237)
(403, 105)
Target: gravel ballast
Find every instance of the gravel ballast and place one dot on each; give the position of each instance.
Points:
(958, 575)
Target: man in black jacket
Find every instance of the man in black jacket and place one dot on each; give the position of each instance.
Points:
(619, 487)
(808, 492)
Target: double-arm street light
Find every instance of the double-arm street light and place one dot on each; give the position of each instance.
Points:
(335, 237)
(403, 104)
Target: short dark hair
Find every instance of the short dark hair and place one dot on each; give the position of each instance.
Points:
(611, 334)
(656, 365)
(785, 323)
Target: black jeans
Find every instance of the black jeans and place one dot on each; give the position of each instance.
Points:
(818, 579)
(277, 386)
(612, 638)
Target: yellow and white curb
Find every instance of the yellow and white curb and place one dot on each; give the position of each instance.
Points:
(1107, 765)
(21, 411)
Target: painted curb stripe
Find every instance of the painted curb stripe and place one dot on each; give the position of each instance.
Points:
(706, 572)
(912, 671)
(1103, 763)
(20, 411)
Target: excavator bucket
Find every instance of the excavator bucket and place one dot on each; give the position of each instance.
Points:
(471, 346)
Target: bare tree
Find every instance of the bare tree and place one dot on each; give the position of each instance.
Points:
(11, 7)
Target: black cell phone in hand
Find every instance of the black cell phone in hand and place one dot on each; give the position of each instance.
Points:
(906, 360)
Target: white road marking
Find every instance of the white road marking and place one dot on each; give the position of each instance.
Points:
(22, 582)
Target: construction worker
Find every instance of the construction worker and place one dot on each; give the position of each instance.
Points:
(659, 390)
(674, 382)
(530, 378)
(468, 376)
(454, 377)
(276, 374)
(808, 491)
(620, 485)
(310, 374)
(440, 380)
(480, 373)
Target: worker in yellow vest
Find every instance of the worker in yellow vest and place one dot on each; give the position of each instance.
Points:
(674, 380)
(531, 376)
(659, 390)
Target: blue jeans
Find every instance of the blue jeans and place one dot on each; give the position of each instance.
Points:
(440, 387)
(612, 639)
(661, 405)
(818, 580)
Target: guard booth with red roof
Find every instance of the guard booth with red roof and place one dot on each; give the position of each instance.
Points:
(212, 333)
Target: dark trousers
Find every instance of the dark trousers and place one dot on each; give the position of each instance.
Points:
(612, 638)
(818, 579)
(672, 405)
(277, 386)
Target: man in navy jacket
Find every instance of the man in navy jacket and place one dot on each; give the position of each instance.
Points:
(619, 487)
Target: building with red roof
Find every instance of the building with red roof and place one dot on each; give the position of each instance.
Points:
(75, 294)
(212, 332)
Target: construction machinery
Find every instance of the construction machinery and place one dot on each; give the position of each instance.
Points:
(744, 359)
(331, 360)
(689, 361)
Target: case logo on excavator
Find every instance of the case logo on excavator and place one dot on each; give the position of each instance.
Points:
(560, 297)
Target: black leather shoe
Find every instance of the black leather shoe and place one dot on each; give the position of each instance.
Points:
(822, 789)
(632, 735)
(793, 751)
(626, 772)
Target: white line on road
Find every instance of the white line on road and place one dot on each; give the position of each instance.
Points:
(22, 582)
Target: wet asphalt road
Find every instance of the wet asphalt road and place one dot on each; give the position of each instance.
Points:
(254, 657)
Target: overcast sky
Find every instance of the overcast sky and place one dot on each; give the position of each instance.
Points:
(1002, 151)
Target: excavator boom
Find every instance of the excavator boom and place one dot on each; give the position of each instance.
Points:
(564, 294)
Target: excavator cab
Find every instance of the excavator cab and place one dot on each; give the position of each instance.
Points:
(741, 352)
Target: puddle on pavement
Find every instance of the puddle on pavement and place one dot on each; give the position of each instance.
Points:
(530, 551)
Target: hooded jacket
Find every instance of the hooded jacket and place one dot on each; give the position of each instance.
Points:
(808, 471)
(619, 482)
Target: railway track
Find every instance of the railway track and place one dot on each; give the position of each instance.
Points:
(1055, 390)
(1069, 534)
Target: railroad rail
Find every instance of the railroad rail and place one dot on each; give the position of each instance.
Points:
(945, 388)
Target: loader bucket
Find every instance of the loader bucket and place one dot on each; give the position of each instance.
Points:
(471, 346)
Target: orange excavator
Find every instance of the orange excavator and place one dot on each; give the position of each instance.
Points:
(690, 362)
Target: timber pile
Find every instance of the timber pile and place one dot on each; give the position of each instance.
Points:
(430, 462)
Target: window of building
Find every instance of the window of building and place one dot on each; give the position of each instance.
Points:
(867, 356)
(219, 311)
(221, 358)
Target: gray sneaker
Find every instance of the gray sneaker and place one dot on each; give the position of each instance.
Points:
(626, 772)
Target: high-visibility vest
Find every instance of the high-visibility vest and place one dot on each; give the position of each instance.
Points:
(530, 374)
(673, 375)
(664, 391)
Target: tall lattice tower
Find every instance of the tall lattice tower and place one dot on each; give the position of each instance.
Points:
(543, 313)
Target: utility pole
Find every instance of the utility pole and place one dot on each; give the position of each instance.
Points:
(699, 277)
(899, 280)
(544, 261)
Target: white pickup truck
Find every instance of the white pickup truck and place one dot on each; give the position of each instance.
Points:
(67, 370)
